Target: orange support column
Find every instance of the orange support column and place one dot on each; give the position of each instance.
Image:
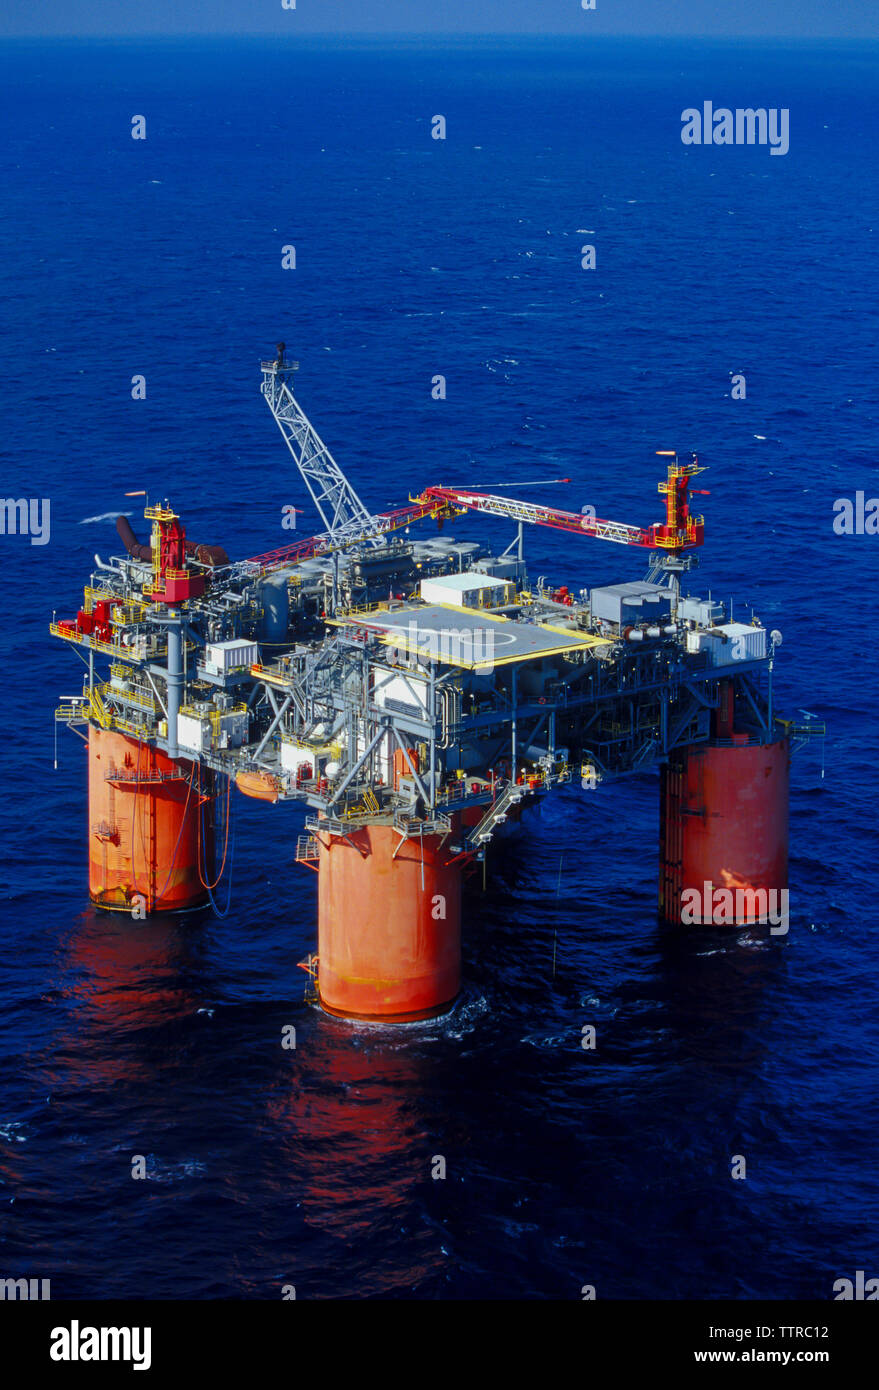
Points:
(724, 825)
(389, 925)
(145, 825)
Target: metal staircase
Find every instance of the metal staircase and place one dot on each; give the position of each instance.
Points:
(496, 813)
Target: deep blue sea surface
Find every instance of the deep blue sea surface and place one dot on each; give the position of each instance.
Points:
(415, 257)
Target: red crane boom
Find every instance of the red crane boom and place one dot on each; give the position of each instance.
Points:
(681, 530)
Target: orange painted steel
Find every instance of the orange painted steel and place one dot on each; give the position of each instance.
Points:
(724, 821)
(389, 925)
(145, 815)
(401, 766)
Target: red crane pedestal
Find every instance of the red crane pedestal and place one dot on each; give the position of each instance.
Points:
(145, 827)
(724, 825)
(389, 925)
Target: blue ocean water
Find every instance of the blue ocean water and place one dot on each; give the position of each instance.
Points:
(565, 1167)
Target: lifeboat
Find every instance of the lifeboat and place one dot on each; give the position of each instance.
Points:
(260, 785)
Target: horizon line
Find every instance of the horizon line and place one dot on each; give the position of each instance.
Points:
(391, 35)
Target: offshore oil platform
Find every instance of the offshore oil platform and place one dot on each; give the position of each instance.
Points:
(413, 696)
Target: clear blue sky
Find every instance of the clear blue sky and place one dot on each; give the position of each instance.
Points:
(806, 18)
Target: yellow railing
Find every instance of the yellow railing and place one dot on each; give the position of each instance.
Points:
(68, 712)
(97, 709)
(159, 581)
(214, 716)
(136, 697)
(324, 750)
(131, 611)
(271, 673)
(360, 811)
(92, 596)
(86, 640)
(360, 608)
(673, 542)
(108, 648)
